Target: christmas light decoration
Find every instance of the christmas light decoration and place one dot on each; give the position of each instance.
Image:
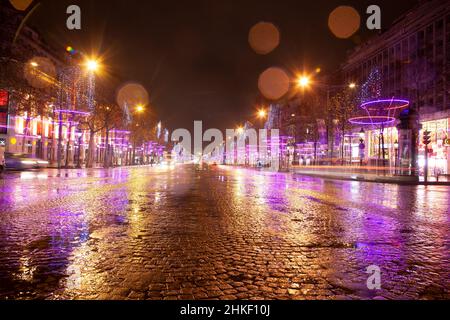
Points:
(372, 120)
(385, 105)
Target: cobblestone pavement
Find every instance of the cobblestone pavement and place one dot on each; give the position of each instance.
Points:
(218, 233)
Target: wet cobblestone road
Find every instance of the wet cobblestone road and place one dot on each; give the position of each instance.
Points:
(218, 233)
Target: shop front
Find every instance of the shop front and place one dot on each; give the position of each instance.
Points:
(383, 148)
(438, 156)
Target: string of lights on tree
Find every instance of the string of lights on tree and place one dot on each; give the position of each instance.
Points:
(77, 89)
(371, 89)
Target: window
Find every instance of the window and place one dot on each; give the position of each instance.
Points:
(3, 121)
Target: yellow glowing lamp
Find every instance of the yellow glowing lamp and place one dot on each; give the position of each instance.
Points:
(262, 114)
(13, 141)
(92, 65)
(303, 81)
(140, 108)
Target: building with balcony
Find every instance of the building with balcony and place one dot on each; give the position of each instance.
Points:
(412, 60)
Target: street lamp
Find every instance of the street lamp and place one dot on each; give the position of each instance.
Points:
(140, 108)
(92, 65)
(262, 114)
(79, 135)
(396, 162)
(240, 130)
(303, 82)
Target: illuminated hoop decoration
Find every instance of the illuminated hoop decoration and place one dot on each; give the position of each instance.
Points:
(372, 120)
(385, 105)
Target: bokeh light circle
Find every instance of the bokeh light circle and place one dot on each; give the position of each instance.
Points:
(40, 72)
(344, 22)
(264, 37)
(131, 95)
(21, 5)
(274, 83)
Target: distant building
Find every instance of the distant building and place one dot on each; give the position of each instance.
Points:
(20, 48)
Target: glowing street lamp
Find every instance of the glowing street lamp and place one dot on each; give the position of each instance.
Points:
(303, 82)
(34, 64)
(92, 65)
(140, 108)
(352, 85)
(240, 130)
(262, 114)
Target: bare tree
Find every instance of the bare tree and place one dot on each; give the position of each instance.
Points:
(342, 107)
(143, 130)
(112, 116)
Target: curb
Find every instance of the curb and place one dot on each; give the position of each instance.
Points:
(355, 177)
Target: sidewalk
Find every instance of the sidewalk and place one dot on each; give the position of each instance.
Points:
(326, 173)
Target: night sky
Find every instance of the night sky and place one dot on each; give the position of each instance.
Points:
(193, 56)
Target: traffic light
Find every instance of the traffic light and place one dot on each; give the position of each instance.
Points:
(427, 138)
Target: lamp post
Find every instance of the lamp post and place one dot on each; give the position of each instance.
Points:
(79, 136)
(362, 147)
(305, 81)
(262, 115)
(139, 109)
(396, 156)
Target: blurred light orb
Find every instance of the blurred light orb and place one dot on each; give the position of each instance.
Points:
(40, 72)
(344, 22)
(131, 95)
(21, 5)
(274, 83)
(70, 50)
(264, 37)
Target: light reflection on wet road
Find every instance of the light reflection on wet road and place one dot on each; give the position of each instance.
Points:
(218, 232)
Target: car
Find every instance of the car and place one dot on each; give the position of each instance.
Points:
(17, 161)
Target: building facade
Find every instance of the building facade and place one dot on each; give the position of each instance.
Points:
(412, 59)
